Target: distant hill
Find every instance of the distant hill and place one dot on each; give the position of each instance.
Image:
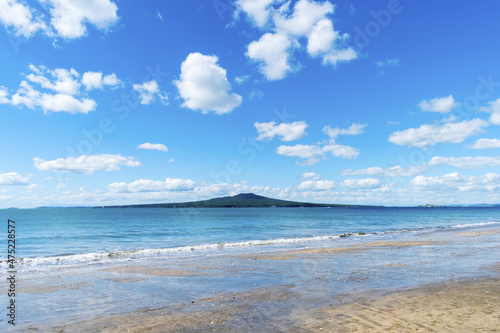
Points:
(240, 200)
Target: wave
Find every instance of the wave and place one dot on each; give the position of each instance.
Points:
(151, 253)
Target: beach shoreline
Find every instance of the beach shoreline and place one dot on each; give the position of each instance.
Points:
(427, 282)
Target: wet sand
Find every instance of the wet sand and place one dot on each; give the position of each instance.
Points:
(456, 306)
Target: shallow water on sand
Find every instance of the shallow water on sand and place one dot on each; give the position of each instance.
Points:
(302, 277)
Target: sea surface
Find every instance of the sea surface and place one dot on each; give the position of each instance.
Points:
(78, 235)
(78, 264)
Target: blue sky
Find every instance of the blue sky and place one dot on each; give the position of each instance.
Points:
(382, 102)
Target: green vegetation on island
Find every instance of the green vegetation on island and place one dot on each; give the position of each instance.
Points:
(243, 200)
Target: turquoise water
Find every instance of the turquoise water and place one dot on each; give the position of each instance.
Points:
(56, 235)
(74, 259)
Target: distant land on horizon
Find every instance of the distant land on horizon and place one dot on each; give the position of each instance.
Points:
(248, 200)
(242, 200)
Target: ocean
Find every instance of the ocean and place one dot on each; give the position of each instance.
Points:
(78, 235)
(79, 264)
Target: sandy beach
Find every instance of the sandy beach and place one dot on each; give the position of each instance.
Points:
(456, 306)
(430, 282)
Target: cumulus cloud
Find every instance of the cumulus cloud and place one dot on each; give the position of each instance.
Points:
(3, 95)
(354, 129)
(494, 109)
(144, 185)
(311, 175)
(338, 150)
(455, 181)
(396, 171)
(477, 162)
(428, 135)
(439, 104)
(285, 27)
(68, 18)
(257, 10)
(287, 131)
(13, 178)
(318, 185)
(361, 183)
(153, 146)
(21, 19)
(312, 154)
(485, 144)
(96, 80)
(48, 102)
(271, 50)
(86, 163)
(62, 90)
(60, 80)
(148, 91)
(204, 86)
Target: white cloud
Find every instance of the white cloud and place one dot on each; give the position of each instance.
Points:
(313, 153)
(86, 163)
(455, 181)
(96, 80)
(485, 144)
(272, 51)
(361, 183)
(63, 90)
(477, 162)
(310, 153)
(204, 86)
(67, 19)
(32, 99)
(153, 146)
(304, 17)
(311, 175)
(282, 39)
(19, 17)
(287, 131)
(494, 109)
(143, 185)
(396, 171)
(321, 37)
(3, 95)
(13, 178)
(64, 81)
(429, 135)
(148, 91)
(318, 185)
(341, 151)
(354, 129)
(70, 17)
(257, 10)
(439, 104)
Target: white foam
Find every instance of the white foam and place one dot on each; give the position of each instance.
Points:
(149, 253)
